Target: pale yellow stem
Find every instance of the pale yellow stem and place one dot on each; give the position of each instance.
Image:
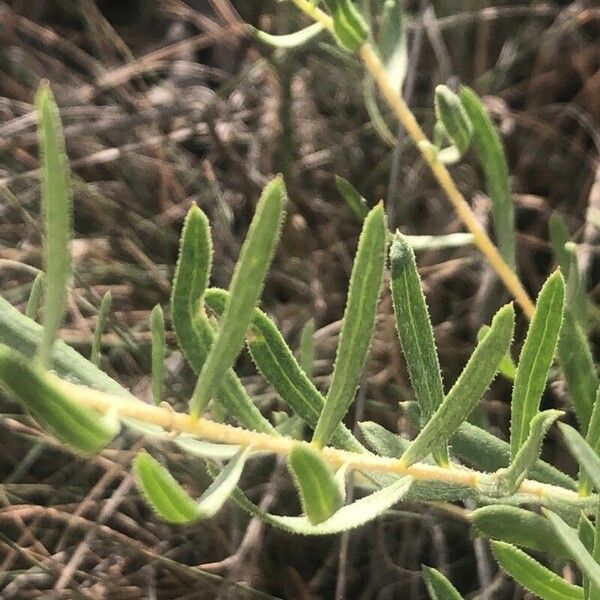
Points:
(170, 420)
(403, 113)
(406, 117)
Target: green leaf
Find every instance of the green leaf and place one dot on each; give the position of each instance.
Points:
(24, 335)
(35, 296)
(277, 363)
(586, 456)
(392, 42)
(79, 427)
(357, 326)
(57, 208)
(316, 482)
(577, 364)
(245, 289)
(593, 439)
(454, 119)
(484, 451)
(353, 199)
(103, 311)
(416, 334)
(535, 360)
(577, 300)
(528, 453)
(468, 389)
(438, 586)
(533, 576)
(157, 329)
(382, 441)
(494, 163)
(568, 536)
(349, 27)
(288, 40)
(194, 331)
(559, 236)
(516, 526)
(375, 115)
(172, 503)
(307, 348)
(348, 517)
(507, 366)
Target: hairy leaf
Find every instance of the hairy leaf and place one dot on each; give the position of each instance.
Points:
(438, 586)
(586, 456)
(593, 439)
(277, 363)
(79, 427)
(536, 358)
(416, 334)
(468, 389)
(568, 536)
(57, 208)
(529, 452)
(533, 576)
(194, 331)
(453, 117)
(494, 163)
(357, 326)
(349, 27)
(316, 482)
(157, 329)
(307, 348)
(507, 367)
(204, 449)
(245, 289)
(517, 526)
(172, 503)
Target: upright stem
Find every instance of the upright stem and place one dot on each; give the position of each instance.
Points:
(403, 113)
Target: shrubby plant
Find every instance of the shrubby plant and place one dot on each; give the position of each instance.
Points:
(523, 504)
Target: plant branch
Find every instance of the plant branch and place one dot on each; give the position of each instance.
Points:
(403, 113)
(170, 420)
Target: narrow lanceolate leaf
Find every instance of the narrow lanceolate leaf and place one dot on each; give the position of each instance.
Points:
(382, 441)
(280, 368)
(57, 208)
(507, 367)
(204, 449)
(79, 427)
(103, 312)
(307, 348)
(536, 358)
(586, 456)
(528, 453)
(517, 526)
(353, 199)
(593, 439)
(392, 42)
(348, 517)
(577, 300)
(319, 490)
(349, 27)
(533, 576)
(495, 166)
(358, 323)
(452, 115)
(288, 40)
(577, 364)
(172, 503)
(33, 302)
(468, 389)
(438, 586)
(559, 236)
(416, 334)
(568, 536)
(194, 331)
(157, 329)
(245, 289)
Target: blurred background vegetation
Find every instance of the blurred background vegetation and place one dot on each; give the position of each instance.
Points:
(170, 102)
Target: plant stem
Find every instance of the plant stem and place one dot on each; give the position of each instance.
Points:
(170, 420)
(403, 113)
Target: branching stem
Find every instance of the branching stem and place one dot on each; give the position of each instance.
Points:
(170, 420)
(403, 113)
